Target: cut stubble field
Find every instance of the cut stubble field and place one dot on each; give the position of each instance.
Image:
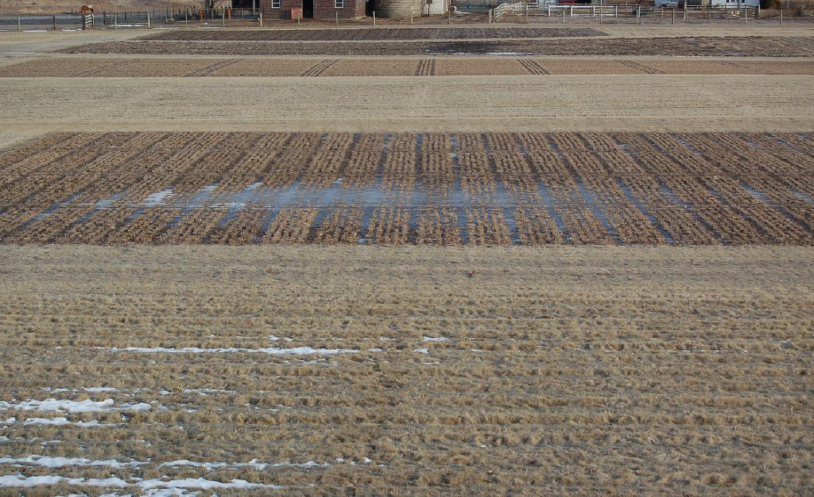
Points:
(422, 371)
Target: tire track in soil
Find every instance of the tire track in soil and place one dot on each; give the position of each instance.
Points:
(209, 70)
(533, 67)
(319, 68)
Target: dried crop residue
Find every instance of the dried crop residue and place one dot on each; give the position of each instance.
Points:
(477, 371)
(427, 188)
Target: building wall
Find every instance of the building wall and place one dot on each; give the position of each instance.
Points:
(400, 9)
(437, 7)
(326, 9)
(283, 12)
(323, 9)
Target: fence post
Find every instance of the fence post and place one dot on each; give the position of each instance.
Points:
(149, 25)
(527, 11)
(616, 11)
(374, 17)
(223, 18)
(337, 19)
(261, 19)
(19, 24)
(781, 17)
(115, 20)
(746, 16)
(549, 10)
(638, 14)
(54, 19)
(709, 16)
(186, 19)
(411, 16)
(600, 14)
(572, 12)
(563, 16)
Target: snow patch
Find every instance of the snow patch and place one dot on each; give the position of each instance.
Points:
(422, 351)
(431, 339)
(157, 198)
(61, 462)
(269, 351)
(73, 406)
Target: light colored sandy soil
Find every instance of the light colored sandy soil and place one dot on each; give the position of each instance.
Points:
(580, 103)
(589, 370)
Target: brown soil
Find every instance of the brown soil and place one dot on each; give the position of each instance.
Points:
(284, 67)
(734, 46)
(373, 34)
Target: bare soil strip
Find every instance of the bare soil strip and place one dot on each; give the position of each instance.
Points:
(444, 189)
(283, 67)
(627, 370)
(695, 46)
(374, 34)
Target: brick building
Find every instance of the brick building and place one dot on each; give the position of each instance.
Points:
(316, 9)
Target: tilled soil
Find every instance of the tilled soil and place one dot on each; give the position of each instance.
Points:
(694, 46)
(288, 67)
(374, 34)
(395, 189)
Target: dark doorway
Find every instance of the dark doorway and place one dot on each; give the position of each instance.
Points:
(369, 6)
(245, 4)
(307, 9)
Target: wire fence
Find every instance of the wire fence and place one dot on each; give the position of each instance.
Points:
(636, 14)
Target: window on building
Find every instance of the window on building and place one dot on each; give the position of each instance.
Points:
(339, 4)
(275, 4)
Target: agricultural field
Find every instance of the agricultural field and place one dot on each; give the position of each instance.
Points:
(368, 262)
(135, 67)
(446, 189)
(374, 34)
(668, 46)
(325, 370)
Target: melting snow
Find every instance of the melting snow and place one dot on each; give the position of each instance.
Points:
(439, 339)
(270, 351)
(61, 462)
(72, 406)
(147, 485)
(157, 198)
(422, 351)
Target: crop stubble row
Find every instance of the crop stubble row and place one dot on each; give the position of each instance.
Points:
(459, 188)
(550, 370)
(173, 67)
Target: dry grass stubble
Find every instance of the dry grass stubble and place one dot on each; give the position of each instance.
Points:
(581, 370)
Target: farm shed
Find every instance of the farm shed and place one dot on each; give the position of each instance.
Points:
(351, 9)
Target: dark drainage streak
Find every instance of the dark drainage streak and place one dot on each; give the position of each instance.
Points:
(197, 201)
(597, 211)
(50, 210)
(272, 215)
(670, 195)
(766, 200)
(655, 222)
(803, 196)
(549, 204)
(686, 144)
